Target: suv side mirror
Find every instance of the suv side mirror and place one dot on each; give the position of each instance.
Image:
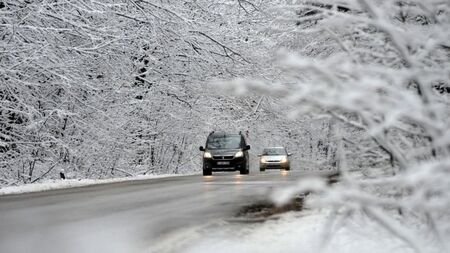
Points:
(259, 155)
(289, 154)
(247, 147)
(202, 148)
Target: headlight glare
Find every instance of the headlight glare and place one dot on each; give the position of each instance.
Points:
(239, 154)
(284, 160)
(207, 155)
(263, 159)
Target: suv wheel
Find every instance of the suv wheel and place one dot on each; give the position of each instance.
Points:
(207, 172)
(262, 169)
(245, 170)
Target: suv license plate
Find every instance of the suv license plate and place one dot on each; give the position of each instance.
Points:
(223, 163)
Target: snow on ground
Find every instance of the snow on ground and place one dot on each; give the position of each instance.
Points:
(53, 184)
(291, 233)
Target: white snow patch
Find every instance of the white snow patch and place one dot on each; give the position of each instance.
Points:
(53, 184)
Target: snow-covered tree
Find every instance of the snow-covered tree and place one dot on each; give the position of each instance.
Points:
(118, 88)
(380, 71)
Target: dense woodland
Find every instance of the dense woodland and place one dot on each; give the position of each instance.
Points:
(121, 88)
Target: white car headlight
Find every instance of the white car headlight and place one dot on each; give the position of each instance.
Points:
(207, 155)
(263, 159)
(239, 154)
(284, 160)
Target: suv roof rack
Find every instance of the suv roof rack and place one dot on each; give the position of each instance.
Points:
(224, 133)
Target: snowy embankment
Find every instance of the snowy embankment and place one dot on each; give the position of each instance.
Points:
(71, 183)
(307, 232)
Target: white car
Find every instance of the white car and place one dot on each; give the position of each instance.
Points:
(274, 158)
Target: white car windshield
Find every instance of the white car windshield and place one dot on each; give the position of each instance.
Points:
(274, 151)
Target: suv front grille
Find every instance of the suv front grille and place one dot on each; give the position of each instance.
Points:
(227, 157)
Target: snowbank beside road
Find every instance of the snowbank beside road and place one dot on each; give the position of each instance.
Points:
(71, 183)
(291, 233)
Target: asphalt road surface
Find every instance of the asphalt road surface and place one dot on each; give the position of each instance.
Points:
(127, 216)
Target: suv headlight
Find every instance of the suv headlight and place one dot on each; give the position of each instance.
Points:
(207, 155)
(284, 160)
(239, 154)
(263, 159)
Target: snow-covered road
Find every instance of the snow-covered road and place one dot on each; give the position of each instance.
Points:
(127, 216)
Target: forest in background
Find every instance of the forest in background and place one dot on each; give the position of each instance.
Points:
(122, 88)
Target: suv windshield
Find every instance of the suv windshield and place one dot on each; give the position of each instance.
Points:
(274, 151)
(224, 142)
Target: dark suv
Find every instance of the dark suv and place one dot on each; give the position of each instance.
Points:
(225, 152)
